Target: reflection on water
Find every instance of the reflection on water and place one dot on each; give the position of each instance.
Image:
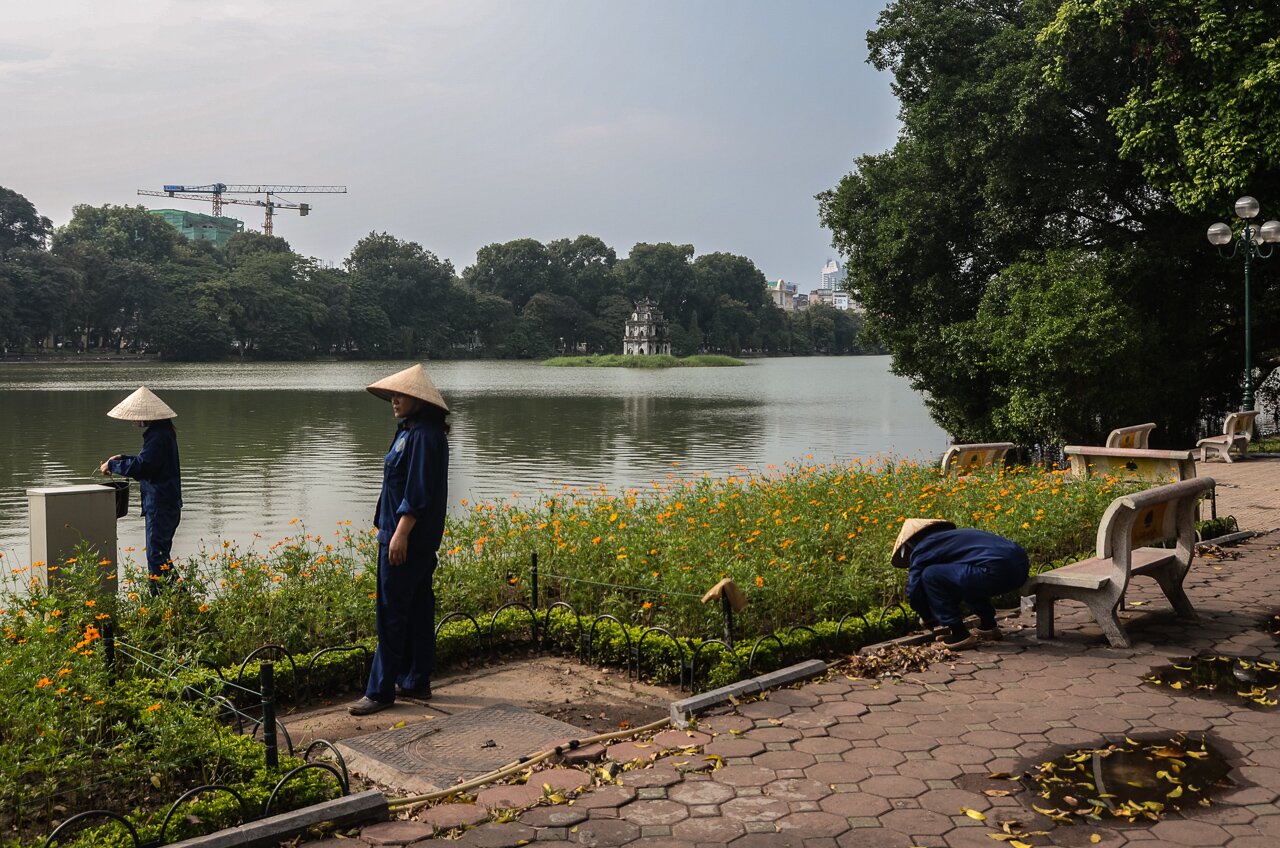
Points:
(263, 444)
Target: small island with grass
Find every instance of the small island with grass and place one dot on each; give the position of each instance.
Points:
(618, 360)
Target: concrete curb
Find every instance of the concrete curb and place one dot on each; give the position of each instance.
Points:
(686, 708)
(349, 809)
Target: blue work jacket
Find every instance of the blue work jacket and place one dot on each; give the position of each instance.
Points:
(967, 546)
(155, 468)
(415, 481)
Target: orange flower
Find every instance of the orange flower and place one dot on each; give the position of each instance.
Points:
(152, 708)
(759, 580)
(44, 681)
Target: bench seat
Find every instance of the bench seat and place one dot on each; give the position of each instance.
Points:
(1129, 528)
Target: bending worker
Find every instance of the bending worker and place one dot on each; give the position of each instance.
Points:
(410, 521)
(156, 470)
(946, 566)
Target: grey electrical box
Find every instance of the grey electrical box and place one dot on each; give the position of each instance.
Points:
(64, 517)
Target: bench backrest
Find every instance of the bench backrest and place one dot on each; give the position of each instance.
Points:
(1157, 466)
(1240, 424)
(1130, 437)
(1150, 517)
(965, 458)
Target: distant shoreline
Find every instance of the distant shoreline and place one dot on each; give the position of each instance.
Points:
(615, 360)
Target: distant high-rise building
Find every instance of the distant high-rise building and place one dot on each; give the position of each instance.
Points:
(196, 226)
(783, 293)
(832, 275)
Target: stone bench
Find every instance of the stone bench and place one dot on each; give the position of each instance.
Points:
(1129, 526)
(1130, 437)
(1157, 466)
(966, 458)
(1237, 432)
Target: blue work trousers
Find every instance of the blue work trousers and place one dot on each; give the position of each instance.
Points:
(406, 615)
(161, 524)
(936, 592)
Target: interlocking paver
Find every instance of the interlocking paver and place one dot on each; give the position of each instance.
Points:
(396, 833)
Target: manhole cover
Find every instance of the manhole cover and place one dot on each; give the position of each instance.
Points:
(440, 753)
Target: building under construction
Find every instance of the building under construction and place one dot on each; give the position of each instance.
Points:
(197, 227)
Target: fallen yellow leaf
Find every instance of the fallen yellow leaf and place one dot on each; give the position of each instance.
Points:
(973, 814)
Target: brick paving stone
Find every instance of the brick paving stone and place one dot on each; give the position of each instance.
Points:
(450, 816)
(961, 754)
(873, 697)
(646, 813)
(874, 837)
(769, 840)
(823, 745)
(874, 757)
(855, 804)
(991, 739)
(745, 775)
(909, 742)
(756, 808)
(499, 835)
(855, 731)
(817, 823)
(841, 709)
(558, 815)
(650, 777)
(607, 797)
(797, 789)
(808, 719)
(584, 754)
(625, 752)
(504, 797)
(681, 739)
(785, 760)
(890, 718)
(722, 724)
(893, 786)
(774, 734)
(1190, 833)
(796, 697)
(729, 746)
(700, 792)
(606, 832)
(764, 710)
(561, 779)
(920, 822)
(829, 687)
(716, 831)
(930, 770)
(837, 772)
(950, 801)
(396, 833)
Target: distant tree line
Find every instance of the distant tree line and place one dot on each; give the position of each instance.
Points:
(118, 278)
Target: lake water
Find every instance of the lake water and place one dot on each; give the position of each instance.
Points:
(263, 444)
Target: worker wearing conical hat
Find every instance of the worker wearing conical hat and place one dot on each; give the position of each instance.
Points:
(156, 469)
(410, 523)
(947, 566)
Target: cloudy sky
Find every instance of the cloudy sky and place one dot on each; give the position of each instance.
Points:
(456, 124)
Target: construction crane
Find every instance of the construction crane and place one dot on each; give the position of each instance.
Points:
(213, 193)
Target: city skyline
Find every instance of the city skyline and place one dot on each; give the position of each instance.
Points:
(458, 125)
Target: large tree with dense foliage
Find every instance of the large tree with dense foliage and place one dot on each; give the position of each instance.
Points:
(1004, 247)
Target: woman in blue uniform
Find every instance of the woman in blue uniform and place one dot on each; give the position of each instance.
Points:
(156, 469)
(948, 566)
(410, 523)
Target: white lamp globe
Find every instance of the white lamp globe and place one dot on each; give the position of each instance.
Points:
(1247, 207)
(1219, 234)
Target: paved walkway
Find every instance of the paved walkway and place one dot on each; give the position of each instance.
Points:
(861, 763)
(1248, 489)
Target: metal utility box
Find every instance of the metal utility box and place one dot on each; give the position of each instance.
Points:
(63, 517)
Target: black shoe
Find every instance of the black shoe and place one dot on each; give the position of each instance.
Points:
(421, 693)
(367, 706)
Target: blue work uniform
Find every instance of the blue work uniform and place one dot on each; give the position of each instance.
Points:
(415, 481)
(157, 472)
(948, 567)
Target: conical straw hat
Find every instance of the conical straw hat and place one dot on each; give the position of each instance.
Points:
(910, 528)
(412, 381)
(142, 405)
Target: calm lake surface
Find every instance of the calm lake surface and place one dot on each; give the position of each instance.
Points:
(263, 444)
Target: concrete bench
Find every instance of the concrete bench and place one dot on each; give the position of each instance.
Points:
(966, 458)
(1131, 523)
(1237, 432)
(1130, 437)
(1157, 466)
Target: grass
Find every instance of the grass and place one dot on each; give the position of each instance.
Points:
(616, 360)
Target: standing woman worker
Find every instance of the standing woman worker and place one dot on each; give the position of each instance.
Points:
(156, 470)
(410, 523)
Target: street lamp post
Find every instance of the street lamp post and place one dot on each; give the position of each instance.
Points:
(1249, 246)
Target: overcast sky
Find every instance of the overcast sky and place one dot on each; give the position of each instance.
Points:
(456, 124)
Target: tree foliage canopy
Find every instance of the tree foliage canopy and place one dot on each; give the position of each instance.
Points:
(1012, 254)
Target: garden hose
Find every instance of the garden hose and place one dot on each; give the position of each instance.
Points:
(522, 763)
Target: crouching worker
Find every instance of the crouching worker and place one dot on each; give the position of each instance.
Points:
(947, 565)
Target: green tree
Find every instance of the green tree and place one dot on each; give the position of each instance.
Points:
(1201, 113)
(21, 227)
(996, 168)
(413, 286)
(515, 270)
